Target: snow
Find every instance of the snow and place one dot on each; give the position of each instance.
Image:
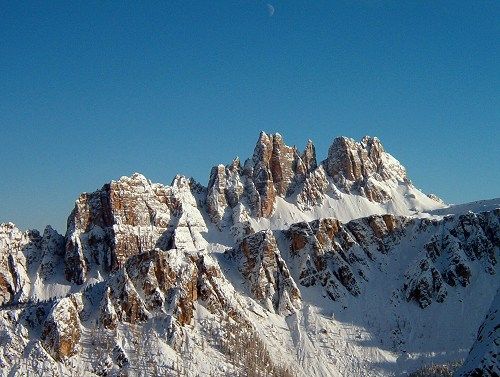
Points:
(476, 207)
(376, 333)
(483, 356)
(350, 207)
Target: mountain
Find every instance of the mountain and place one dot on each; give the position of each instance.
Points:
(483, 356)
(283, 265)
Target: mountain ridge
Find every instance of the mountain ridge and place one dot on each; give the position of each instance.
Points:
(282, 251)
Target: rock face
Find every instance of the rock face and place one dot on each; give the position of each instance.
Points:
(61, 330)
(275, 169)
(337, 256)
(154, 281)
(51, 254)
(160, 281)
(483, 356)
(360, 167)
(313, 191)
(26, 257)
(425, 284)
(212, 288)
(14, 279)
(462, 245)
(225, 189)
(127, 217)
(107, 313)
(282, 251)
(356, 169)
(267, 274)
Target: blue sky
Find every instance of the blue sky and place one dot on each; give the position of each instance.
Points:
(91, 91)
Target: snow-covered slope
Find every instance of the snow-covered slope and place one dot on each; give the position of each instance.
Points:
(282, 266)
(483, 359)
(459, 209)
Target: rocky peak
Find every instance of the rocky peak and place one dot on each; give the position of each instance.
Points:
(127, 217)
(355, 168)
(26, 256)
(133, 215)
(225, 189)
(359, 167)
(263, 148)
(343, 160)
(373, 146)
(14, 279)
(309, 157)
(216, 197)
(275, 169)
(156, 290)
(281, 163)
(51, 254)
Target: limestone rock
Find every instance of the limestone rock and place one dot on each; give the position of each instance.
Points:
(153, 276)
(309, 157)
(460, 242)
(337, 256)
(155, 281)
(313, 191)
(225, 189)
(209, 287)
(216, 197)
(267, 274)
(61, 330)
(14, 279)
(107, 313)
(321, 257)
(25, 258)
(13, 337)
(358, 167)
(127, 217)
(275, 169)
(51, 253)
(425, 285)
(119, 356)
(159, 282)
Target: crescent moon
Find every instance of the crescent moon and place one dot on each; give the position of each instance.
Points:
(270, 10)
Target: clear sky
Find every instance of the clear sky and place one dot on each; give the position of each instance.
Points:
(91, 91)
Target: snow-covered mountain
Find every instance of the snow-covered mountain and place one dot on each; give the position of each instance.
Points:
(282, 265)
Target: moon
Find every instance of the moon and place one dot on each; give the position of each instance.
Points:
(270, 10)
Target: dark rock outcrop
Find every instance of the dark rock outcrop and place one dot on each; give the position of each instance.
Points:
(447, 260)
(266, 273)
(337, 256)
